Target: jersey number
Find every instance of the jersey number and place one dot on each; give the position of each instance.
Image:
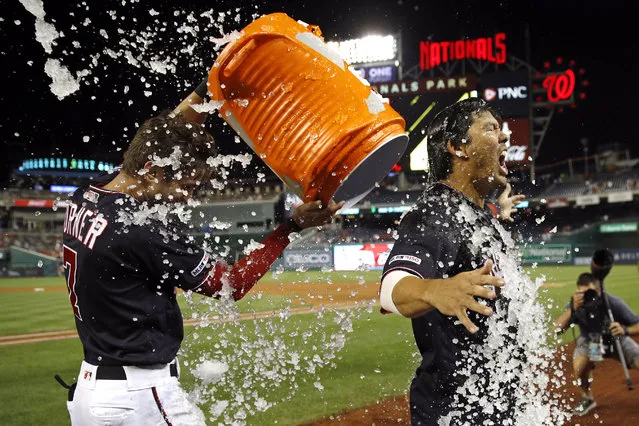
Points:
(70, 264)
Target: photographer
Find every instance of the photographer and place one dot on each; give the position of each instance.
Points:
(587, 310)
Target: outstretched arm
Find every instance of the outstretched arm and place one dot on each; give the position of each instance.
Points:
(251, 268)
(413, 296)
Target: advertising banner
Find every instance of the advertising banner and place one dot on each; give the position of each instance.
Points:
(33, 203)
(315, 258)
(587, 200)
(610, 228)
(626, 256)
(518, 131)
(357, 257)
(554, 203)
(622, 257)
(507, 91)
(380, 74)
(620, 197)
(547, 253)
(426, 85)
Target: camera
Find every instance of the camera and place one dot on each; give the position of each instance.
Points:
(594, 309)
(592, 302)
(597, 319)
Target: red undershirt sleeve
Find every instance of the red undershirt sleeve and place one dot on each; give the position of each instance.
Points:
(494, 209)
(244, 274)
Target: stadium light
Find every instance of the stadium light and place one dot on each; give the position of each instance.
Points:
(369, 49)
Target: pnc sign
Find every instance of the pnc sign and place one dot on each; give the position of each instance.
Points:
(491, 49)
(501, 93)
(507, 91)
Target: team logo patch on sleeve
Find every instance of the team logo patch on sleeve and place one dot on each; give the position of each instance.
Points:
(200, 266)
(405, 257)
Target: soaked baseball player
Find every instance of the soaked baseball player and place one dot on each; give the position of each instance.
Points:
(124, 260)
(441, 273)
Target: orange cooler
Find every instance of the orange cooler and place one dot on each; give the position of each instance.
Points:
(295, 102)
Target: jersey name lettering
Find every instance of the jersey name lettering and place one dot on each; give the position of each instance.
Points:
(76, 221)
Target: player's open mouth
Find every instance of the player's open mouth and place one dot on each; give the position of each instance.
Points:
(502, 163)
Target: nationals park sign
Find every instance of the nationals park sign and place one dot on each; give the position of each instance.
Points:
(426, 85)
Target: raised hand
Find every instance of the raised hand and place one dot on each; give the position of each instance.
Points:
(507, 203)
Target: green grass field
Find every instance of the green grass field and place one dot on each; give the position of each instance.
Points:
(377, 360)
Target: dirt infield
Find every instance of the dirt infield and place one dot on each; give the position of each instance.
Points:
(617, 406)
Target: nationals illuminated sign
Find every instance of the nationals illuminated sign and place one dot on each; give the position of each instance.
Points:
(491, 49)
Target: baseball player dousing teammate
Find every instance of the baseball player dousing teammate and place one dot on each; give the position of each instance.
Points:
(123, 261)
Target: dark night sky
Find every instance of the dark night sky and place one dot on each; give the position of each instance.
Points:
(598, 37)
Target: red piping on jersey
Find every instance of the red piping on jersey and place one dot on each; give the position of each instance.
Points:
(243, 275)
(159, 404)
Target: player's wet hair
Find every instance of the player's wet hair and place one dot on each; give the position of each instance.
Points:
(586, 278)
(452, 124)
(178, 147)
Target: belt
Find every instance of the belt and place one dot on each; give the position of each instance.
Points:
(113, 372)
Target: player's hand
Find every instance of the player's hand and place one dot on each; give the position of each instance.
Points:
(507, 203)
(577, 300)
(617, 329)
(454, 296)
(314, 213)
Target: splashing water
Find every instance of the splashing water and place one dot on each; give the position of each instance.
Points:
(521, 367)
(63, 82)
(250, 362)
(143, 47)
